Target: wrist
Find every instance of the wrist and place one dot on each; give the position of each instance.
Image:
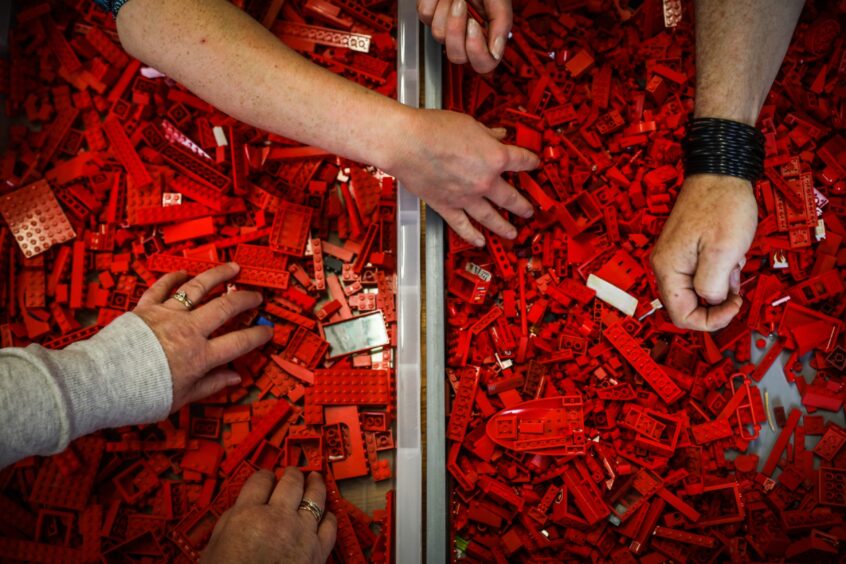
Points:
(397, 130)
(746, 111)
(718, 182)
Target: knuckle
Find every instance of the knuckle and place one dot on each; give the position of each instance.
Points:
(225, 308)
(512, 198)
(194, 288)
(499, 158)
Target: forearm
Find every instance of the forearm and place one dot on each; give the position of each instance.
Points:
(740, 45)
(231, 61)
(49, 398)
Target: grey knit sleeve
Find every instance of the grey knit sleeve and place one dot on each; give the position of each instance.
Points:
(48, 398)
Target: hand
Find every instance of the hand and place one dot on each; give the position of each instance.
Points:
(184, 335)
(455, 164)
(464, 37)
(265, 525)
(702, 249)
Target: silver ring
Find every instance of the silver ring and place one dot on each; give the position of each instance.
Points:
(311, 507)
(183, 298)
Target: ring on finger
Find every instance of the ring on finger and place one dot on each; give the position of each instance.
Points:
(183, 298)
(308, 505)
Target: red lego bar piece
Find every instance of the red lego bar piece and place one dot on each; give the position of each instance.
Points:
(304, 37)
(349, 387)
(185, 161)
(462, 404)
(643, 363)
(250, 276)
(781, 442)
(35, 218)
(348, 544)
(123, 149)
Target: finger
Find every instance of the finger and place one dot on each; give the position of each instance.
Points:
(315, 491)
(456, 27)
(425, 10)
(289, 491)
(497, 133)
(520, 159)
(477, 49)
(484, 213)
(256, 490)
(462, 226)
(507, 197)
(327, 533)
(713, 270)
(439, 20)
(200, 285)
(236, 344)
(734, 281)
(212, 383)
(501, 17)
(220, 310)
(162, 288)
(682, 304)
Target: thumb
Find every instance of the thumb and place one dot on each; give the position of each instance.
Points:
(213, 382)
(712, 280)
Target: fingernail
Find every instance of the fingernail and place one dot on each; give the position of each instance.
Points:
(529, 214)
(498, 48)
(473, 28)
(512, 234)
(479, 241)
(235, 265)
(458, 8)
(233, 380)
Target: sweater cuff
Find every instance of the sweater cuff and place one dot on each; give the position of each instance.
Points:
(130, 381)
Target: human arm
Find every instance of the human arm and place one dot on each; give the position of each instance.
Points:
(141, 367)
(739, 48)
(231, 61)
(265, 524)
(465, 40)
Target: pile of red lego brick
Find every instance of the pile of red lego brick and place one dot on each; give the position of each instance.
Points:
(582, 430)
(120, 174)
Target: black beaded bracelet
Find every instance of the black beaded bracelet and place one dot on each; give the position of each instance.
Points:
(721, 146)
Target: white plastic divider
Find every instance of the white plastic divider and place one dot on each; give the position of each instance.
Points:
(408, 506)
(437, 514)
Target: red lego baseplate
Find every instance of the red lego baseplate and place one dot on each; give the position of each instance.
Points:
(35, 218)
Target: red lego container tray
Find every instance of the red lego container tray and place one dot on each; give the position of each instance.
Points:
(574, 420)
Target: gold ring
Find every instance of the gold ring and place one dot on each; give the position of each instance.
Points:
(311, 507)
(183, 298)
